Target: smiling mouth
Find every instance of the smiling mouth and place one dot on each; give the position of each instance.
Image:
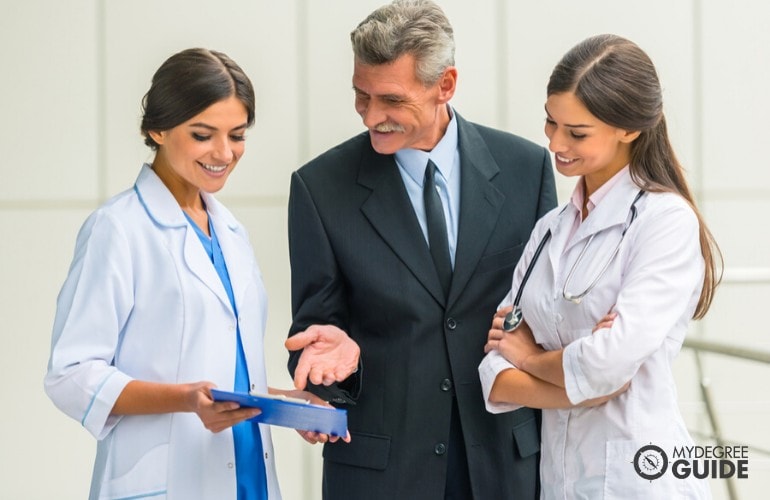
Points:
(213, 168)
(565, 160)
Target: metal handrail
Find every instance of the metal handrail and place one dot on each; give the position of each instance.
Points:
(745, 353)
(730, 276)
(744, 275)
(728, 350)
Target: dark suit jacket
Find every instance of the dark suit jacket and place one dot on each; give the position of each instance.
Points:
(360, 261)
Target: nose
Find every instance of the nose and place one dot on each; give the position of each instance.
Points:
(223, 151)
(371, 114)
(556, 144)
(553, 146)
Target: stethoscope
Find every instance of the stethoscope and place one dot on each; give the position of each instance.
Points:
(513, 319)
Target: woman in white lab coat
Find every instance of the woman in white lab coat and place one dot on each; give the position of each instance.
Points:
(164, 300)
(622, 268)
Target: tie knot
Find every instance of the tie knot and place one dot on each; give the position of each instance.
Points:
(430, 170)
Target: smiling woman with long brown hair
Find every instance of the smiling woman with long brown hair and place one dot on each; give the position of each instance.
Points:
(606, 287)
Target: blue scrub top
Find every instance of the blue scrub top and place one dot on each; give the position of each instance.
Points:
(249, 464)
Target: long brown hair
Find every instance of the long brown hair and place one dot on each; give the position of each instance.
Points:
(617, 82)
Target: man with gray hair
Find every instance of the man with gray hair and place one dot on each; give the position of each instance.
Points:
(402, 241)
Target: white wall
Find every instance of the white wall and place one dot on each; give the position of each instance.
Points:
(73, 74)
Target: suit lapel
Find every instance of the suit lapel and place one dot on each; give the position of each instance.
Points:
(480, 205)
(390, 212)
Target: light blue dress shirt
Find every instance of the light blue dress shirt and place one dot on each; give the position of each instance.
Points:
(446, 155)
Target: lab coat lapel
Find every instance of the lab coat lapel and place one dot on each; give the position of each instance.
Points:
(238, 258)
(165, 211)
(480, 205)
(560, 229)
(613, 210)
(242, 267)
(198, 261)
(390, 212)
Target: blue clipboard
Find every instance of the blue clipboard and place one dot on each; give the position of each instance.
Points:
(289, 412)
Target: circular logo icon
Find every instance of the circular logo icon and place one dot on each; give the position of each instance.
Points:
(650, 462)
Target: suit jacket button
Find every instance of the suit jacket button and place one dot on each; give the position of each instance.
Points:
(440, 449)
(446, 385)
(451, 323)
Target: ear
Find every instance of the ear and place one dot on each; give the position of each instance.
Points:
(628, 136)
(156, 136)
(447, 84)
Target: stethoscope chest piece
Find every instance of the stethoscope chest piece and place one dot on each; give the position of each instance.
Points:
(512, 319)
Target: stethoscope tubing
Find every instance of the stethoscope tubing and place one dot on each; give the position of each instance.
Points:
(513, 319)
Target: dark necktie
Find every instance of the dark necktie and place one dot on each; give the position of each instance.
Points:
(437, 233)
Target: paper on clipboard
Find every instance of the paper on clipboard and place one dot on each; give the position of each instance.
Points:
(287, 412)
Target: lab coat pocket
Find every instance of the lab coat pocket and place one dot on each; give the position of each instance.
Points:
(146, 478)
(622, 482)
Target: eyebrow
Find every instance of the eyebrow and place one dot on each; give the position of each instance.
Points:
(578, 125)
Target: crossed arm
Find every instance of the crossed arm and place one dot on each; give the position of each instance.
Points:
(538, 379)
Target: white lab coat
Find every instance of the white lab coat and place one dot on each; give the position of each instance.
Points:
(143, 301)
(653, 284)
